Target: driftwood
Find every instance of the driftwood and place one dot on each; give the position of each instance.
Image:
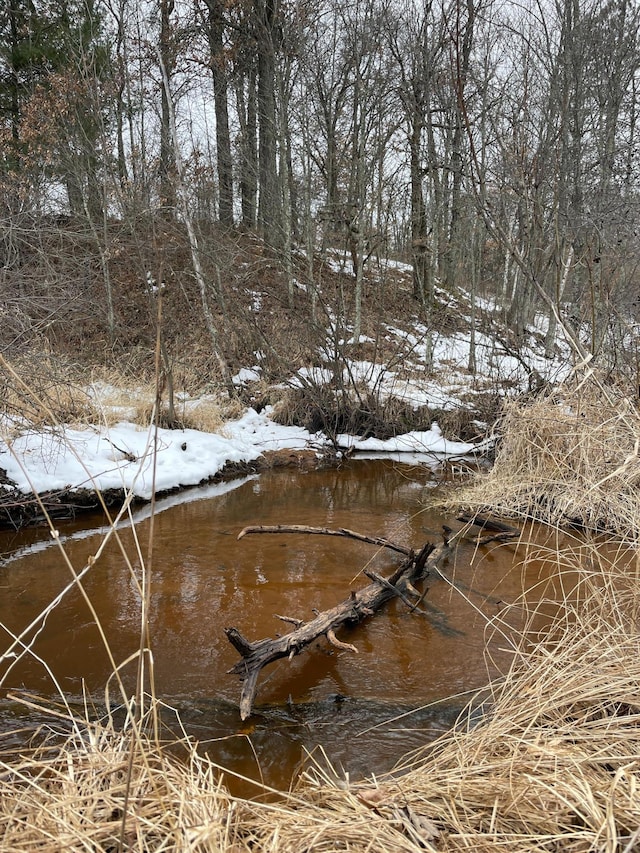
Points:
(485, 523)
(256, 655)
(501, 532)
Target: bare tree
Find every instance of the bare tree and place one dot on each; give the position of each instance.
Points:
(181, 198)
(268, 36)
(418, 45)
(216, 27)
(166, 54)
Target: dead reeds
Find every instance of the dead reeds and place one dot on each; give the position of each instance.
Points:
(109, 789)
(555, 763)
(568, 457)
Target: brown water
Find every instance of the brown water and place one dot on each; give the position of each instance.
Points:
(204, 580)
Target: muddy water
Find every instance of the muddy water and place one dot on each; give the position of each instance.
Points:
(203, 579)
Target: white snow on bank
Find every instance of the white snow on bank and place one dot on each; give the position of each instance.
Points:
(123, 456)
(431, 442)
(429, 369)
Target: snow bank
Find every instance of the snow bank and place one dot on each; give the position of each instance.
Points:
(431, 442)
(122, 456)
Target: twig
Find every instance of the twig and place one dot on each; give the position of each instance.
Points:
(127, 454)
(338, 644)
(290, 619)
(374, 576)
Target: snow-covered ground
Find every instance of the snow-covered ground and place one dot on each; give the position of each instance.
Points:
(129, 457)
(431, 443)
(126, 456)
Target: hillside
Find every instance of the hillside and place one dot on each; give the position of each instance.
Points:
(80, 332)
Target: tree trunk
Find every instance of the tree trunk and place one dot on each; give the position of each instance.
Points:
(269, 206)
(463, 40)
(351, 611)
(247, 115)
(167, 152)
(193, 241)
(220, 93)
(419, 234)
(12, 75)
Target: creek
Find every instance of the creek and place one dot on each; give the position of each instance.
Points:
(413, 672)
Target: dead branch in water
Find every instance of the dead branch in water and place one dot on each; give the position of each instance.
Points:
(485, 523)
(501, 532)
(326, 531)
(256, 655)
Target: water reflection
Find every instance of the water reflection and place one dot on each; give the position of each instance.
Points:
(204, 580)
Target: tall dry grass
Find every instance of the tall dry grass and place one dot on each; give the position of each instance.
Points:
(569, 457)
(106, 788)
(32, 388)
(48, 392)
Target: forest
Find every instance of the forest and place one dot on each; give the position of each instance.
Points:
(246, 246)
(490, 146)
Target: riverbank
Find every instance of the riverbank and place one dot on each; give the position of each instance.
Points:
(551, 765)
(77, 415)
(64, 470)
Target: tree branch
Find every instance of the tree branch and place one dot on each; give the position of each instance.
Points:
(352, 610)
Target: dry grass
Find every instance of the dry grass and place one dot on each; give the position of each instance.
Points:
(208, 413)
(37, 390)
(556, 763)
(124, 402)
(74, 797)
(34, 396)
(571, 456)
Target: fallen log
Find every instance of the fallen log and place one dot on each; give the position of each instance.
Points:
(361, 604)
